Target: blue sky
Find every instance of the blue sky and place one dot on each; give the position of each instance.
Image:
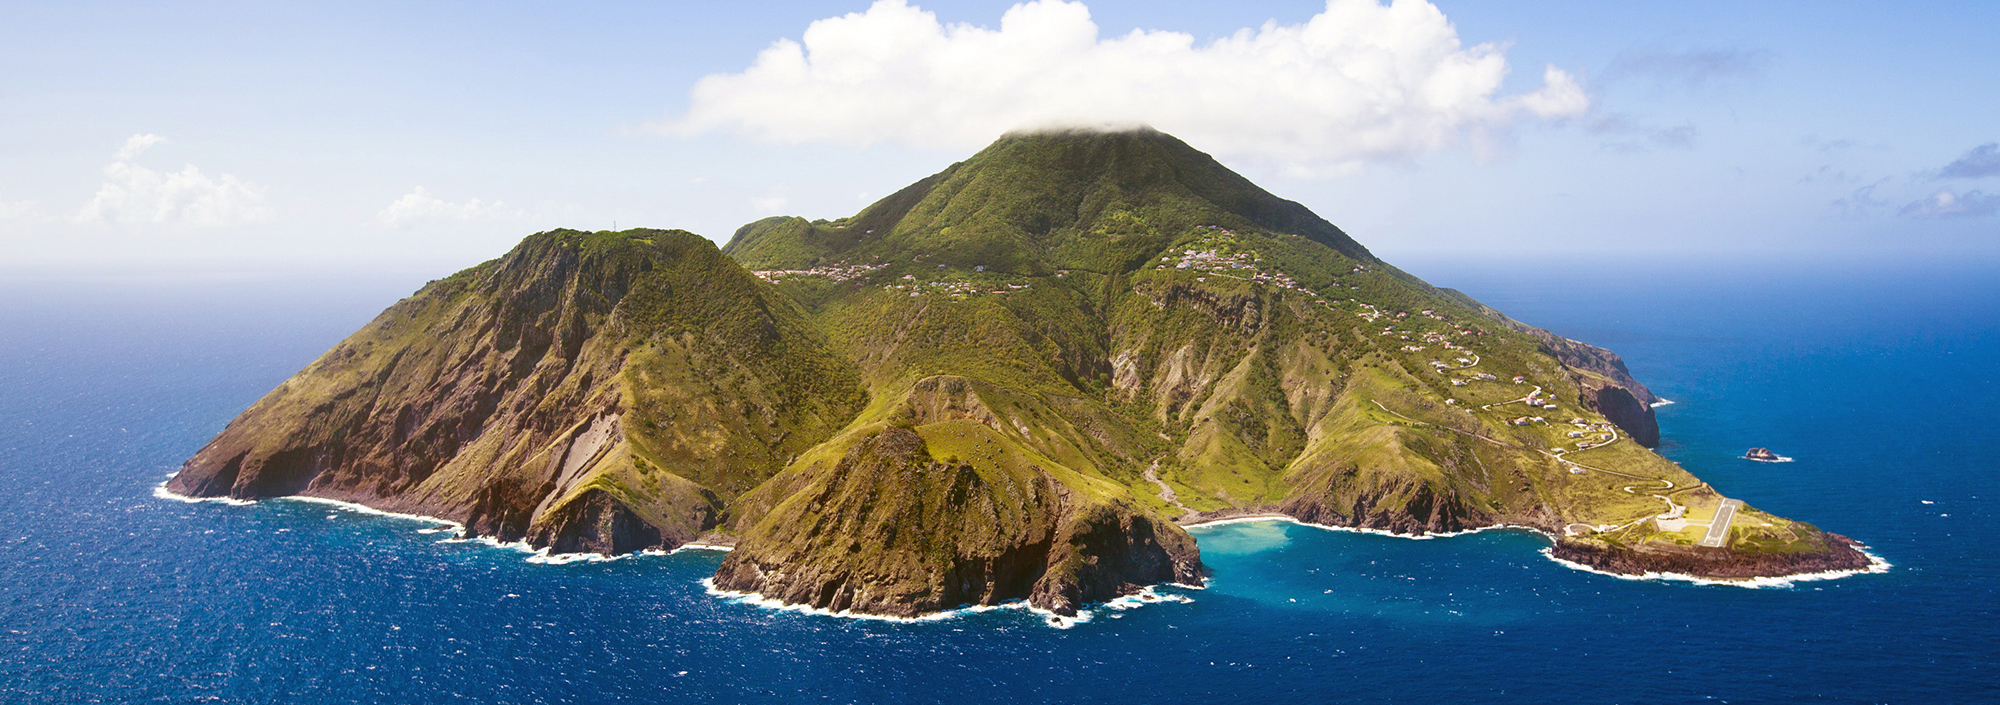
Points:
(354, 135)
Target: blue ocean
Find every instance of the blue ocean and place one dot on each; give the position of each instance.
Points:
(1878, 379)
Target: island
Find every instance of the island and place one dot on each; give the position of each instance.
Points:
(1764, 455)
(1014, 380)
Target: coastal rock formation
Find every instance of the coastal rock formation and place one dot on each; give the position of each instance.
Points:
(1002, 382)
(891, 529)
(1620, 407)
(1827, 552)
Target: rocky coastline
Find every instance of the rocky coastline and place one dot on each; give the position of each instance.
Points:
(1837, 554)
(995, 385)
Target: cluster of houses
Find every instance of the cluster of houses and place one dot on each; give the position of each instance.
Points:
(952, 289)
(1214, 262)
(1586, 427)
(1543, 402)
(1244, 266)
(839, 273)
(1441, 339)
(1462, 381)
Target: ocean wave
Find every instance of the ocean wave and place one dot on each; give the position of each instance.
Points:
(365, 509)
(1662, 402)
(1144, 597)
(692, 546)
(161, 491)
(542, 556)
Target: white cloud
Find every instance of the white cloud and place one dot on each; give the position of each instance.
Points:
(420, 206)
(769, 205)
(137, 144)
(1945, 204)
(16, 210)
(1360, 82)
(135, 194)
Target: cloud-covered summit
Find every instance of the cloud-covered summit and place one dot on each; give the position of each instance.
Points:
(1360, 82)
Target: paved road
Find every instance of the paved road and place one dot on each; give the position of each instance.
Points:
(1536, 393)
(1718, 530)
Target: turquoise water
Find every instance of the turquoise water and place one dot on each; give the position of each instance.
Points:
(1879, 382)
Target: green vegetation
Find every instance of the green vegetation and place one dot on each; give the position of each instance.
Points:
(957, 395)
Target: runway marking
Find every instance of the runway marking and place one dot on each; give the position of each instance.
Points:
(1718, 530)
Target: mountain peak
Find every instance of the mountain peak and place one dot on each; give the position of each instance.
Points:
(1098, 134)
(1094, 199)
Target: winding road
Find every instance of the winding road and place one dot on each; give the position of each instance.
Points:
(1531, 395)
(1167, 493)
(1675, 510)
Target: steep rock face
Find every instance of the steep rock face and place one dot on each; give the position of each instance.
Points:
(381, 413)
(891, 529)
(525, 398)
(1630, 414)
(1406, 508)
(596, 522)
(1607, 386)
(1106, 550)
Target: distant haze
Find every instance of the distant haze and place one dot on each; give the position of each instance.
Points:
(218, 137)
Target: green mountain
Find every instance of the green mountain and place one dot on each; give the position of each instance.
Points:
(1014, 379)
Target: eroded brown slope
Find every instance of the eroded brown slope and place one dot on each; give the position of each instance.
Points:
(601, 392)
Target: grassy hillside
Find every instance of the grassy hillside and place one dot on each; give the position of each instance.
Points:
(1246, 354)
(1007, 381)
(592, 391)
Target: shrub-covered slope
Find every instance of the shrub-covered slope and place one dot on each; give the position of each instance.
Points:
(588, 391)
(1222, 352)
(1009, 380)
